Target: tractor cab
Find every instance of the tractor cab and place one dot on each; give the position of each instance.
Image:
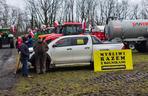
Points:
(70, 28)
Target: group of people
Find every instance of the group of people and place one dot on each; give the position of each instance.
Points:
(40, 49)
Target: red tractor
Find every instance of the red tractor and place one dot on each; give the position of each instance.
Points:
(74, 28)
(68, 28)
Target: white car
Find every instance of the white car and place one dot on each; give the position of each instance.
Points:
(76, 49)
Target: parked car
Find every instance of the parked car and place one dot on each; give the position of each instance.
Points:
(76, 49)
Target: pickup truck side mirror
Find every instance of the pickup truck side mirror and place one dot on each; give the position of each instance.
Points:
(54, 45)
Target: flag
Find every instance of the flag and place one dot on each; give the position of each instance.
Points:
(55, 23)
(90, 27)
(84, 25)
(13, 28)
(31, 33)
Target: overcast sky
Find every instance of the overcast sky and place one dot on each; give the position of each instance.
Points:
(21, 3)
(16, 3)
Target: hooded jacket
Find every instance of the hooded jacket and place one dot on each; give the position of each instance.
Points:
(24, 51)
(40, 47)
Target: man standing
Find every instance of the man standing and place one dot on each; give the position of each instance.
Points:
(24, 58)
(19, 43)
(40, 49)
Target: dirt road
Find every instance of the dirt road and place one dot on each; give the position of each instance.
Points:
(7, 65)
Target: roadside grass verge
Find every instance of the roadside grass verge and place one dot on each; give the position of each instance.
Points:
(140, 57)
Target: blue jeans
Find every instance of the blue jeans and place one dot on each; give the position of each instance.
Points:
(24, 67)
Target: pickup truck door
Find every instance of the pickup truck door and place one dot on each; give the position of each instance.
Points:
(61, 51)
(72, 50)
(81, 50)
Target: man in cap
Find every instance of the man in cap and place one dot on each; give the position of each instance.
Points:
(24, 58)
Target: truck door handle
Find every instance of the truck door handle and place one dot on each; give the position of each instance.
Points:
(86, 47)
(69, 48)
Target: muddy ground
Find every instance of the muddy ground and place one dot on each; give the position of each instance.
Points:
(7, 66)
(73, 81)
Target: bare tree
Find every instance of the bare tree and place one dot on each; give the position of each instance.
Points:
(69, 10)
(135, 12)
(122, 9)
(4, 13)
(47, 11)
(55, 6)
(81, 9)
(44, 11)
(144, 11)
(87, 10)
(107, 9)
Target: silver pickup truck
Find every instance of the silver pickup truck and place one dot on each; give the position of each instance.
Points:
(76, 49)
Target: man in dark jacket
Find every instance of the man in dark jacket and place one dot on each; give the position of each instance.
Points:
(24, 58)
(30, 41)
(40, 49)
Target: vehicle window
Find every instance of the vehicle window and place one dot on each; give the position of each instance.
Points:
(63, 42)
(80, 41)
(95, 40)
(71, 30)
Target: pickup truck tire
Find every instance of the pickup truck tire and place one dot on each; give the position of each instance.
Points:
(48, 62)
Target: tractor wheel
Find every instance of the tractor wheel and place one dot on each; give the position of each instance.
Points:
(131, 46)
(0, 44)
(11, 44)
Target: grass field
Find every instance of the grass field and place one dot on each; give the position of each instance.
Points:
(82, 81)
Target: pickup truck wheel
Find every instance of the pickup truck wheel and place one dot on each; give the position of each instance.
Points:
(92, 65)
(48, 62)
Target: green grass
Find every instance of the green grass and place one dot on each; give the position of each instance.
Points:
(140, 57)
(75, 81)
